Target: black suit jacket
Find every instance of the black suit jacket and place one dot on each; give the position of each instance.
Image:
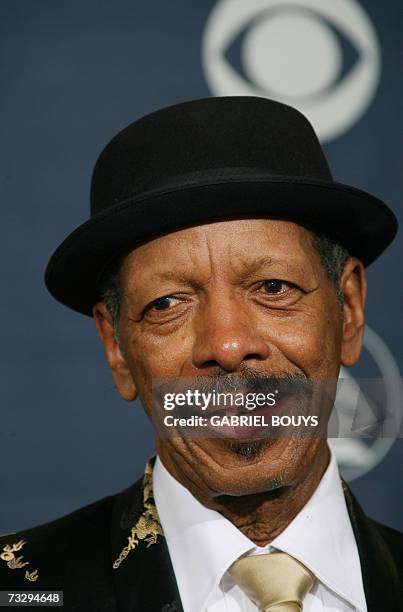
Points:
(111, 556)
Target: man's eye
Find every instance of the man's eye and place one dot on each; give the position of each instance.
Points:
(275, 286)
(162, 303)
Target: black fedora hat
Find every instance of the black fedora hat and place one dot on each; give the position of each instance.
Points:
(208, 159)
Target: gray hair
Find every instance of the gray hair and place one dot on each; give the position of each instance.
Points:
(332, 256)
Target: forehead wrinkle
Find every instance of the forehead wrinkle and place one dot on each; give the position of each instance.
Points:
(268, 245)
(180, 275)
(191, 264)
(203, 255)
(254, 265)
(244, 264)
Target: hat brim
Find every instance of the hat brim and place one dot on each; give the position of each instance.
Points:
(362, 223)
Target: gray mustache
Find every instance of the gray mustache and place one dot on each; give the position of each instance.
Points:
(288, 384)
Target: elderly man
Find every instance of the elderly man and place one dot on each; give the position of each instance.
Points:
(220, 251)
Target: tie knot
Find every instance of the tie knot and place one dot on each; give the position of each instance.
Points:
(273, 582)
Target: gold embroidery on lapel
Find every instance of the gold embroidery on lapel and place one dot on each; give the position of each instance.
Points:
(148, 526)
(32, 576)
(14, 562)
(8, 555)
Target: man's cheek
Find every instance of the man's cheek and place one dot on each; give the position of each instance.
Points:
(158, 359)
(312, 348)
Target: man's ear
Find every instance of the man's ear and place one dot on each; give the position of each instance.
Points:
(354, 286)
(120, 371)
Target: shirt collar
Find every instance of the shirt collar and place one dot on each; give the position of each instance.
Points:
(322, 538)
(202, 543)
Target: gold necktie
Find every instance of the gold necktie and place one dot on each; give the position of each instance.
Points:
(275, 582)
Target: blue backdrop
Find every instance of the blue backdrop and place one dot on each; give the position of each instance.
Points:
(73, 74)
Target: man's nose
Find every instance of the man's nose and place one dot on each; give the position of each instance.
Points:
(226, 337)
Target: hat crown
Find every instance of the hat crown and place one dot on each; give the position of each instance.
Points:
(206, 139)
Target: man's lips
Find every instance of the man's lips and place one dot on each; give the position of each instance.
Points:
(242, 410)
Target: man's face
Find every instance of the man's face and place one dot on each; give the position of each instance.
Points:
(202, 301)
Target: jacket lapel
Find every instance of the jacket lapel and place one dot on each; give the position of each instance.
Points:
(382, 585)
(143, 574)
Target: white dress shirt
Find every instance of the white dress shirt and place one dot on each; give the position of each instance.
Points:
(203, 544)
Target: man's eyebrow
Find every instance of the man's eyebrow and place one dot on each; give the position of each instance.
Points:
(181, 275)
(246, 268)
(249, 267)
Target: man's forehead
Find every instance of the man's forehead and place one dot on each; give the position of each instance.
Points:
(245, 243)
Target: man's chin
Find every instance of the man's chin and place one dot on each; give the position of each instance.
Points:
(247, 449)
(236, 451)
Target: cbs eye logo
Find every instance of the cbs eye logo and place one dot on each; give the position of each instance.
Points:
(321, 56)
